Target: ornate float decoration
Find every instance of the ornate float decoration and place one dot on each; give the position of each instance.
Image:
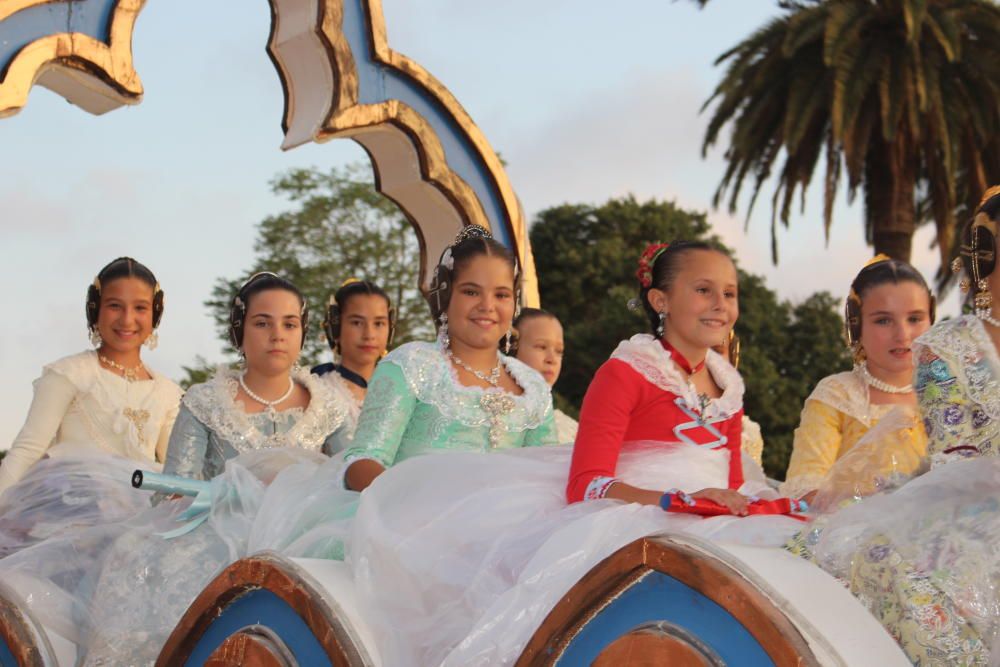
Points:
(80, 49)
(340, 78)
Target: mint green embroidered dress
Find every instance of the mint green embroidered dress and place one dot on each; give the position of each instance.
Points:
(416, 405)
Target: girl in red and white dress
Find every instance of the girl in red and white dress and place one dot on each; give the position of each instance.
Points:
(459, 557)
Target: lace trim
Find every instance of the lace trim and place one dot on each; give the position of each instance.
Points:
(340, 387)
(797, 487)
(85, 373)
(214, 404)
(968, 350)
(598, 487)
(847, 393)
(645, 354)
(433, 380)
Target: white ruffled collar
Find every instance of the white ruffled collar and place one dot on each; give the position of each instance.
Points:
(214, 404)
(647, 356)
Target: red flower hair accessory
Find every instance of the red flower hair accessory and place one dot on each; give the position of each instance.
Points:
(646, 261)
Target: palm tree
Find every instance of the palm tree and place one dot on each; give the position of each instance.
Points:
(904, 95)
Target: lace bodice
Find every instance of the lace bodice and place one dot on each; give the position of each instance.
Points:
(77, 402)
(836, 416)
(958, 388)
(212, 426)
(415, 404)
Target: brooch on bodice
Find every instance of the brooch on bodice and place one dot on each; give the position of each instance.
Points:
(138, 419)
(496, 404)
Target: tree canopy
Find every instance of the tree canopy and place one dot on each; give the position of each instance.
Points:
(900, 96)
(339, 227)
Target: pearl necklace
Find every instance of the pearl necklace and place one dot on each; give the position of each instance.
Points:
(271, 412)
(493, 378)
(129, 374)
(882, 385)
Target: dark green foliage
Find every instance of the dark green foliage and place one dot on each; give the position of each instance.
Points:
(900, 96)
(339, 228)
(586, 258)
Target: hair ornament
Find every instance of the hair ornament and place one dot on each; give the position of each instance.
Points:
(447, 261)
(646, 262)
(472, 232)
(990, 194)
(350, 281)
(877, 259)
(634, 305)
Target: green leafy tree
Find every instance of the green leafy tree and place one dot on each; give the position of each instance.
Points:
(588, 276)
(339, 227)
(901, 96)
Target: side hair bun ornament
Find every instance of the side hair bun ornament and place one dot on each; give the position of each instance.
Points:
(989, 194)
(646, 262)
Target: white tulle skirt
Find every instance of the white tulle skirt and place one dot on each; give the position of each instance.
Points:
(76, 487)
(459, 557)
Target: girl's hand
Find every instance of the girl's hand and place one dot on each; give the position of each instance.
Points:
(736, 502)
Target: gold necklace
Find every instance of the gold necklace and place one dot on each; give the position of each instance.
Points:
(130, 374)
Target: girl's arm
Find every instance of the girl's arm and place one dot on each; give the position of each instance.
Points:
(388, 406)
(814, 450)
(54, 393)
(187, 447)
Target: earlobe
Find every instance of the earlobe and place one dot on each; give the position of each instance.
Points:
(658, 300)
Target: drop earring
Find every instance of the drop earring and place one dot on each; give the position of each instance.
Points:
(660, 328)
(152, 340)
(443, 331)
(95, 337)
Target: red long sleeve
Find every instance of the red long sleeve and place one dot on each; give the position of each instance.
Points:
(607, 410)
(623, 406)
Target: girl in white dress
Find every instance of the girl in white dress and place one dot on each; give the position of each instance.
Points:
(94, 417)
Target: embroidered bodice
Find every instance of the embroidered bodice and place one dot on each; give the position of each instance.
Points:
(341, 389)
(835, 417)
(212, 426)
(958, 388)
(641, 394)
(77, 401)
(416, 404)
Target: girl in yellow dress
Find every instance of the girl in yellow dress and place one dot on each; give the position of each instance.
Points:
(889, 305)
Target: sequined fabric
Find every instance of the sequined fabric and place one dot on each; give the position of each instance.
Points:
(212, 426)
(416, 404)
(958, 386)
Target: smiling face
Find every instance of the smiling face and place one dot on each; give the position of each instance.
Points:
(892, 316)
(125, 317)
(364, 330)
(272, 334)
(481, 306)
(701, 304)
(540, 345)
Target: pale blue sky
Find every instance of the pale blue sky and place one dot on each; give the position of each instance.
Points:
(585, 100)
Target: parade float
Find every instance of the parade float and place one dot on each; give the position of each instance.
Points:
(664, 599)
